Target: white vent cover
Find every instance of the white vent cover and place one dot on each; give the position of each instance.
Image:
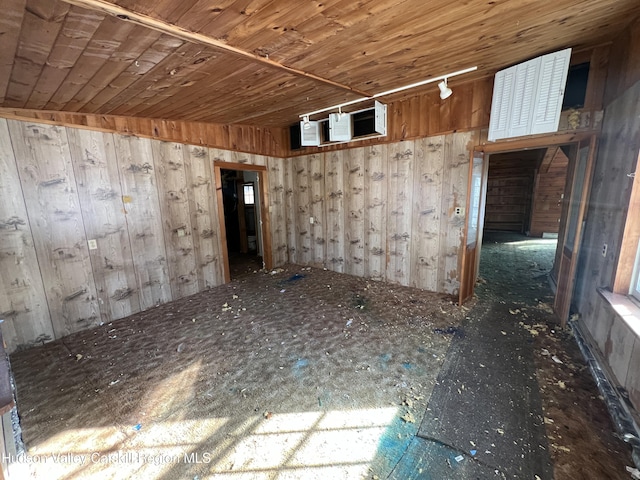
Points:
(310, 136)
(340, 127)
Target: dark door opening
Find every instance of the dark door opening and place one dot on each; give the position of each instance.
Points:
(241, 200)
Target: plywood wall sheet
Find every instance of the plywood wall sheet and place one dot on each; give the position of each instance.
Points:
(354, 211)
(51, 198)
(142, 207)
(302, 192)
(176, 219)
(335, 211)
(454, 194)
(400, 203)
(427, 198)
(23, 304)
(204, 213)
(316, 181)
(98, 183)
(375, 211)
(291, 201)
(277, 210)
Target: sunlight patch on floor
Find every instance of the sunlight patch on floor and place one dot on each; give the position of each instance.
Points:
(323, 444)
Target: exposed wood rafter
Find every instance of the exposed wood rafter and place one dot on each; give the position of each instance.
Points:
(198, 38)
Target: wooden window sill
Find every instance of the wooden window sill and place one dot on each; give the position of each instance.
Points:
(626, 308)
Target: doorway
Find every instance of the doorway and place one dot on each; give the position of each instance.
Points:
(242, 192)
(545, 199)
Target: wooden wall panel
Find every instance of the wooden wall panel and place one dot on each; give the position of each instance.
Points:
(140, 197)
(399, 210)
(335, 211)
(399, 223)
(174, 210)
(316, 209)
(49, 188)
(454, 194)
(233, 138)
(204, 216)
(302, 192)
(606, 216)
(547, 195)
(98, 183)
(132, 196)
(375, 213)
(291, 203)
(624, 63)
(354, 211)
(277, 206)
(425, 247)
(23, 304)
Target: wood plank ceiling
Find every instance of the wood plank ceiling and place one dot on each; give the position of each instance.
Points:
(264, 62)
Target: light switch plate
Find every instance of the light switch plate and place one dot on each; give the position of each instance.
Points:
(93, 244)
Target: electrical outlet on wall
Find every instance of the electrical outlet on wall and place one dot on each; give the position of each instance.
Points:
(311, 220)
(459, 211)
(93, 244)
(605, 247)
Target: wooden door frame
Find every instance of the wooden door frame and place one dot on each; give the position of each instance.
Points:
(504, 146)
(480, 229)
(265, 221)
(562, 311)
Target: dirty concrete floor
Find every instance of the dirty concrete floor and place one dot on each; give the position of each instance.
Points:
(308, 374)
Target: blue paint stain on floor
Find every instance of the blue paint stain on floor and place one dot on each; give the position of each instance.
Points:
(393, 444)
(384, 360)
(299, 366)
(408, 365)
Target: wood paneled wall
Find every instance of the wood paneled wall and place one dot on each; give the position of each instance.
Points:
(383, 211)
(240, 138)
(616, 341)
(509, 190)
(547, 193)
(62, 187)
(624, 62)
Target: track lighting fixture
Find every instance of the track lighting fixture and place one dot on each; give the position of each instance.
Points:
(445, 91)
(307, 124)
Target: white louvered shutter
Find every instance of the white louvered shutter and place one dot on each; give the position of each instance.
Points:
(524, 93)
(501, 104)
(380, 118)
(340, 127)
(554, 68)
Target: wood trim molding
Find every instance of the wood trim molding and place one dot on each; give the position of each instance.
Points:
(198, 38)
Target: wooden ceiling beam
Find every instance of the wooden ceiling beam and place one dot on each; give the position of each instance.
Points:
(198, 38)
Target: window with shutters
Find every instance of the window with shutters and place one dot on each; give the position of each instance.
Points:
(527, 98)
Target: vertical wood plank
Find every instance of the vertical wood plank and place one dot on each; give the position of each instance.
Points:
(176, 220)
(291, 202)
(335, 200)
(51, 198)
(376, 212)
(354, 207)
(277, 210)
(23, 304)
(400, 201)
(140, 198)
(302, 192)
(454, 194)
(317, 194)
(100, 194)
(204, 213)
(429, 160)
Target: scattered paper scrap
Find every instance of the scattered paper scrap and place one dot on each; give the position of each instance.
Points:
(556, 359)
